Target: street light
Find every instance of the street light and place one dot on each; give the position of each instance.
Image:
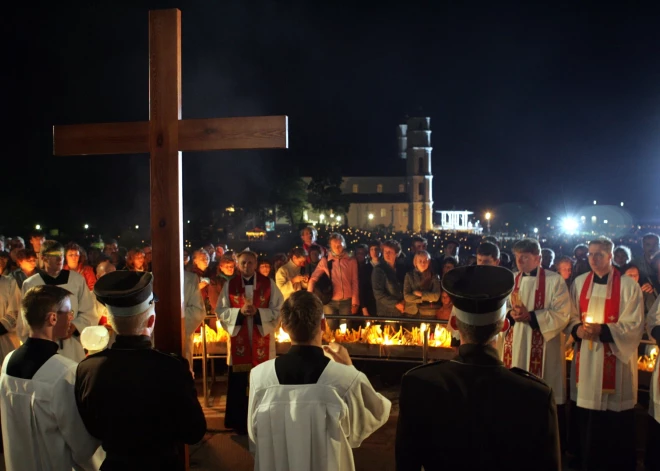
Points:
(86, 226)
(488, 216)
(338, 218)
(371, 216)
(322, 217)
(536, 230)
(622, 204)
(37, 227)
(137, 227)
(595, 202)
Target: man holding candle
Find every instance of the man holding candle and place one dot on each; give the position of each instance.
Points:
(607, 324)
(249, 310)
(540, 309)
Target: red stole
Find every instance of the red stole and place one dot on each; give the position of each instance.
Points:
(612, 304)
(245, 355)
(536, 355)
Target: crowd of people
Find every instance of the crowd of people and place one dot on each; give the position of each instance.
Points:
(599, 300)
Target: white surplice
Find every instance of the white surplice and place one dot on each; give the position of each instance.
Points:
(627, 333)
(194, 311)
(653, 320)
(41, 427)
(312, 427)
(10, 309)
(270, 316)
(552, 320)
(283, 277)
(83, 306)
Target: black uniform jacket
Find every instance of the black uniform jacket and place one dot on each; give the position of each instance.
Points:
(472, 413)
(140, 403)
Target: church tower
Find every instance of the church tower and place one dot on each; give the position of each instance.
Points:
(417, 142)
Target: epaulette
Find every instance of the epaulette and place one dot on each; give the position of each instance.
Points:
(528, 375)
(435, 363)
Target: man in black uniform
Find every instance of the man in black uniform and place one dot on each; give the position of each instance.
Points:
(141, 403)
(472, 413)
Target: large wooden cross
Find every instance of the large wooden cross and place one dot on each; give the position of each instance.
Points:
(164, 136)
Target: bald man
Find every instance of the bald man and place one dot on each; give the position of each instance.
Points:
(104, 268)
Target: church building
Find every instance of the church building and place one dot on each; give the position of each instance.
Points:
(403, 203)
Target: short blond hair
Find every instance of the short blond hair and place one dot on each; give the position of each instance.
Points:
(605, 242)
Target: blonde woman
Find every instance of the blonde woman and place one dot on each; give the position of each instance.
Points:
(421, 287)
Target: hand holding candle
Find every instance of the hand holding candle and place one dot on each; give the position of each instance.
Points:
(588, 320)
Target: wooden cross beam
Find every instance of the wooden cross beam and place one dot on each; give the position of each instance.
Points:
(164, 136)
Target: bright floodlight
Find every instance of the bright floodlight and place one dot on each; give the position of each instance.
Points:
(338, 218)
(595, 202)
(570, 225)
(549, 218)
(622, 204)
(371, 216)
(488, 216)
(536, 230)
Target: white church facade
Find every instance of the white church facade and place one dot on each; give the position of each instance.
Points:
(402, 203)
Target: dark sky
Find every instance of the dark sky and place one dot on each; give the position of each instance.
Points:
(549, 105)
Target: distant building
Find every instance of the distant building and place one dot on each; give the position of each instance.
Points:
(403, 203)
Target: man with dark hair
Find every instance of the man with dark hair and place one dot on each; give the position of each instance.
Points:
(607, 323)
(647, 270)
(122, 392)
(82, 301)
(500, 418)
(488, 254)
(27, 266)
(249, 310)
(291, 276)
(540, 309)
(547, 258)
(581, 264)
(324, 407)
(40, 422)
(37, 237)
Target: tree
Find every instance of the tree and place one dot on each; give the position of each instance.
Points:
(290, 197)
(325, 194)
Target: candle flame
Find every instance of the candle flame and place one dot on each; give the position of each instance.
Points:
(342, 329)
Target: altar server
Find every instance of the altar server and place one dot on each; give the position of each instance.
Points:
(82, 300)
(41, 427)
(308, 409)
(249, 310)
(607, 323)
(473, 412)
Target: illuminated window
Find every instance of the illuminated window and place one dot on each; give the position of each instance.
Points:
(383, 212)
(355, 187)
(402, 188)
(379, 188)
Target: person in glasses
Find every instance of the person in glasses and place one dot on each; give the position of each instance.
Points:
(82, 300)
(40, 420)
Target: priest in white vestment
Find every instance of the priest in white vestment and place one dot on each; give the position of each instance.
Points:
(10, 309)
(82, 300)
(653, 434)
(249, 310)
(194, 312)
(310, 407)
(539, 311)
(607, 323)
(41, 426)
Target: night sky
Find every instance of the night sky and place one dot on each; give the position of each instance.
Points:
(553, 106)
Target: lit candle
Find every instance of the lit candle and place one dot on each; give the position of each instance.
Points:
(342, 329)
(589, 320)
(422, 327)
